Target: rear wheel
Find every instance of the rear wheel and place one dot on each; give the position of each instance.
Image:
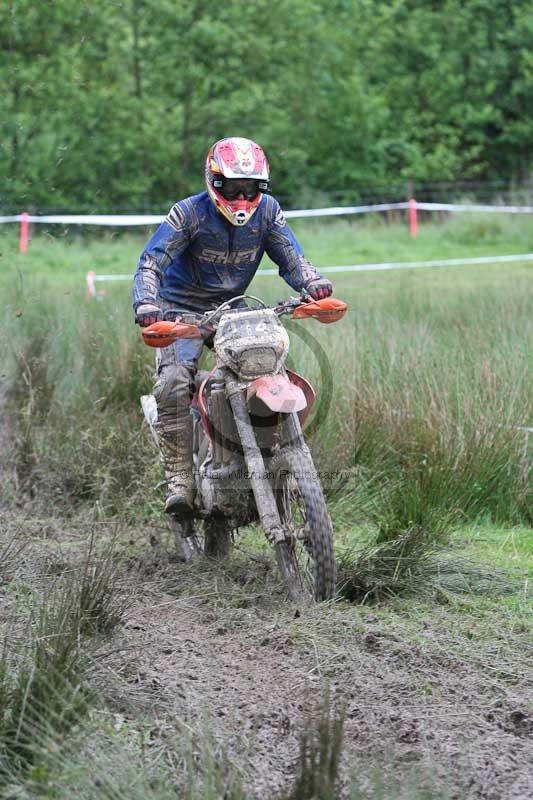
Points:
(217, 538)
(305, 559)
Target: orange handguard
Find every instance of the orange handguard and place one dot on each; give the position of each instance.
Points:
(164, 333)
(327, 310)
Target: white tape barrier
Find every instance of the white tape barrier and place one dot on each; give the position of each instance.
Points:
(155, 219)
(92, 219)
(152, 219)
(92, 277)
(476, 208)
(446, 262)
(516, 428)
(339, 210)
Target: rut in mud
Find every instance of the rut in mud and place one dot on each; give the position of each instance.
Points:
(424, 697)
(431, 699)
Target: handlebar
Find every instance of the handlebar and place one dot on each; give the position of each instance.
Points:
(163, 333)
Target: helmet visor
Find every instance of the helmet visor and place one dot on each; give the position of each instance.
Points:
(239, 188)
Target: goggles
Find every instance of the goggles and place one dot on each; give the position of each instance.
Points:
(233, 188)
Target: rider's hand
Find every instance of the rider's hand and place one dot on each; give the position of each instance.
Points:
(319, 288)
(147, 314)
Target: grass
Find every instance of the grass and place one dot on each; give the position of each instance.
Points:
(429, 487)
(10, 552)
(43, 689)
(42, 696)
(428, 372)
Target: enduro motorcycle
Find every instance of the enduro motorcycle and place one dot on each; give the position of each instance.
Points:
(251, 461)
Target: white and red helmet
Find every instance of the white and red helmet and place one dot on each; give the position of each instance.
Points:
(236, 174)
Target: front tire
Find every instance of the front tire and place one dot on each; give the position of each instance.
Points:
(305, 559)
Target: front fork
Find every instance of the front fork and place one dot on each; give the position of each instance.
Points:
(261, 486)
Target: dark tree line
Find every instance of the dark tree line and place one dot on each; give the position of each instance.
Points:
(110, 106)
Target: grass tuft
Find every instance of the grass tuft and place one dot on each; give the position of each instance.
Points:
(96, 604)
(413, 565)
(42, 695)
(321, 743)
(9, 557)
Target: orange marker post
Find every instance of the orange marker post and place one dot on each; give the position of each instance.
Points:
(413, 217)
(24, 231)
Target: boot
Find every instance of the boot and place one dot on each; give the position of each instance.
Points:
(175, 446)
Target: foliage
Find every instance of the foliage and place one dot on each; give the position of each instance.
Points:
(347, 96)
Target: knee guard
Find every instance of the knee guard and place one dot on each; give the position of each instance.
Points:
(173, 391)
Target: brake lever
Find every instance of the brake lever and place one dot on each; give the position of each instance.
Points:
(287, 306)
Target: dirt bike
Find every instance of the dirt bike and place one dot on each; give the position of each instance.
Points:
(251, 461)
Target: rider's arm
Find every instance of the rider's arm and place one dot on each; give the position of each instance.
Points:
(285, 250)
(171, 238)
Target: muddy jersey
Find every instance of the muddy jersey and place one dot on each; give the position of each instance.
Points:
(197, 259)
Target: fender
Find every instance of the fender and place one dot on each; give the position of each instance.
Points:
(306, 387)
(278, 393)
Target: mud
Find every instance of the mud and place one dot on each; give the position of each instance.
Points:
(434, 700)
(427, 703)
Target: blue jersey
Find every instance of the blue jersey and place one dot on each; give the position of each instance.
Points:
(197, 259)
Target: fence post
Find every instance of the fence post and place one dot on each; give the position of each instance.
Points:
(91, 288)
(413, 217)
(24, 231)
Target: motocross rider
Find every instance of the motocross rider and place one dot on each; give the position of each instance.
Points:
(205, 252)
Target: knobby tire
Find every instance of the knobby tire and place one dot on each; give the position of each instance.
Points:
(218, 542)
(306, 562)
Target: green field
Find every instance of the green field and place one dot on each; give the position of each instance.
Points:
(420, 439)
(430, 368)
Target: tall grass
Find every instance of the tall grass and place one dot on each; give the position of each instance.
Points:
(42, 696)
(77, 375)
(10, 551)
(429, 404)
(43, 687)
(430, 373)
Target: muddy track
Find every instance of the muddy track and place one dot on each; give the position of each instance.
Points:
(434, 698)
(417, 703)
(249, 684)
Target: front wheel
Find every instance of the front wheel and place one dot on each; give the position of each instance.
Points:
(305, 558)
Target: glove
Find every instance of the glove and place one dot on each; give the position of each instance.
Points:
(147, 313)
(319, 288)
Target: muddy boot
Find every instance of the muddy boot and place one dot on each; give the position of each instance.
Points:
(175, 445)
